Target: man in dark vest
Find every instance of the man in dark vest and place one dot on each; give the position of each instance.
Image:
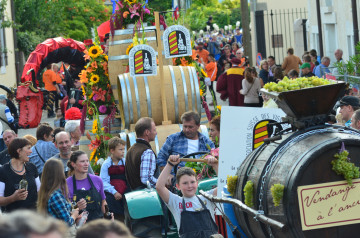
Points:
(140, 165)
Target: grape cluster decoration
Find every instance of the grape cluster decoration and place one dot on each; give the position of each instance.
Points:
(249, 193)
(343, 166)
(277, 192)
(295, 84)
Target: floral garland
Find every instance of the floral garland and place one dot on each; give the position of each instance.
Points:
(204, 170)
(132, 12)
(99, 100)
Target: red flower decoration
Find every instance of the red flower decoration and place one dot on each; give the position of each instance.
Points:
(73, 113)
(95, 144)
(100, 95)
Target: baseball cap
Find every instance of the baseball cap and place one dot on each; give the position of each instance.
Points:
(305, 65)
(350, 100)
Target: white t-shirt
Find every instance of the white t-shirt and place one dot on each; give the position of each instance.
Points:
(193, 146)
(192, 204)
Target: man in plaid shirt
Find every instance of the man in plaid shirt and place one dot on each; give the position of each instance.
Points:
(141, 159)
(188, 141)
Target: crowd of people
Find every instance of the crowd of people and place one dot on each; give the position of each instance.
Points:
(220, 53)
(60, 183)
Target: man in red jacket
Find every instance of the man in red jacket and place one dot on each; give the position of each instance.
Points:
(229, 84)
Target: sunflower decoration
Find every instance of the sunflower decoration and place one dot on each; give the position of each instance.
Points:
(129, 48)
(106, 58)
(94, 51)
(95, 78)
(131, 1)
(203, 73)
(95, 127)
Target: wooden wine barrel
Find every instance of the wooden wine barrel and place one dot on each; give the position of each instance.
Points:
(300, 158)
(118, 59)
(141, 96)
(115, 129)
(163, 132)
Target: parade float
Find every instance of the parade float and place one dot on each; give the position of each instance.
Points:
(303, 180)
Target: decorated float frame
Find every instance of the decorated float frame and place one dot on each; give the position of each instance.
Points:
(180, 43)
(140, 66)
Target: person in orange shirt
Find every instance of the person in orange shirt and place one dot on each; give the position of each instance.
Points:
(49, 80)
(211, 71)
(203, 54)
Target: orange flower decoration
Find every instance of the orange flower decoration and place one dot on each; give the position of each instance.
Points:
(94, 65)
(82, 76)
(183, 61)
(89, 70)
(125, 14)
(86, 55)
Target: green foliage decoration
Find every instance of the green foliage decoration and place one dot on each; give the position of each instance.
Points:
(277, 192)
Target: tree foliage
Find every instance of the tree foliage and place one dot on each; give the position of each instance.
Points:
(42, 19)
(160, 5)
(225, 13)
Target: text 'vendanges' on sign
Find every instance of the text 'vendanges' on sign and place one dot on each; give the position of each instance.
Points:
(329, 204)
(177, 42)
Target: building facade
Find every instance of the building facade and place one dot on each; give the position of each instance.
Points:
(277, 25)
(8, 74)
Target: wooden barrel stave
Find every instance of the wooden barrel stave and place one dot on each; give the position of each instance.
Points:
(296, 166)
(118, 60)
(141, 96)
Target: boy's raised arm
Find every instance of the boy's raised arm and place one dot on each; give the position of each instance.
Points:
(162, 180)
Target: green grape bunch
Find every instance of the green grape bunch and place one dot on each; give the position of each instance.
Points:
(231, 184)
(295, 84)
(277, 192)
(342, 166)
(249, 193)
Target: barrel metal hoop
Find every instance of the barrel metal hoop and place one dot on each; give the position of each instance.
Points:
(192, 94)
(132, 138)
(185, 89)
(197, 91)
(204, 131)
(130, 98)
(127, 41)
(157, 148)
(137, 98)
(175, 94)
(283, 146)
(114, 86)
(118, 57)
(124, 100)
(123, 137)
(148, 98)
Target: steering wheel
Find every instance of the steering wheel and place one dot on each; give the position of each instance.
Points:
(173, 180)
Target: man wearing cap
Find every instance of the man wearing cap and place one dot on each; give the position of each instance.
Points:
(348, 105)
(306, 70)
(230, 83)
(6, 119)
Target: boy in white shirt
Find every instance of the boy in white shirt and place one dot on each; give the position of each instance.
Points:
(194, 215)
